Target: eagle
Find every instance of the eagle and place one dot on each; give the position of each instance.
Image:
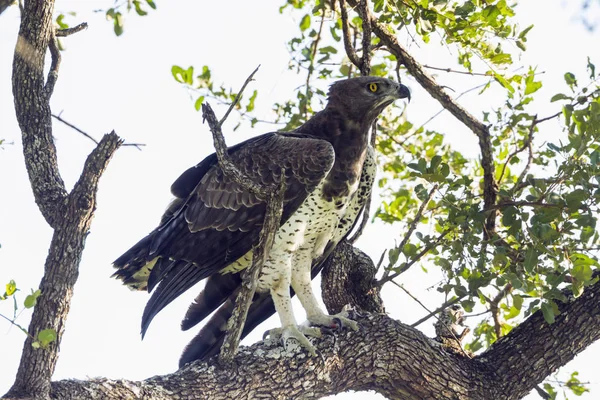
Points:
(210, 228)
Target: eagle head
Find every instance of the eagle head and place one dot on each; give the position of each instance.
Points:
(364, 98)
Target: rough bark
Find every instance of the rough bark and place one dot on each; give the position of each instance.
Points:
(348, 277)
(384, 355)
(70, 214)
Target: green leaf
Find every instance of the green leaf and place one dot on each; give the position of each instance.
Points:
(250, 106)
(305, 23)
(467, 305)
(198, 103)
(570, 79)
(138, 8)
(506, 84)
(328, 50)
(560, 96)
(393, 255)
(548, 312)
(11, 288)
(531, 86)
(531, 260)
(61, 24)
(118, 23)
(46, 336)
(591, 68)
(31, 300)
(524, 32)
(152, 4)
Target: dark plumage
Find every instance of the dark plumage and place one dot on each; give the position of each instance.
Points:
(209, 230)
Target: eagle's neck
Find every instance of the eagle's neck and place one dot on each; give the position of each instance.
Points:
(350, 140)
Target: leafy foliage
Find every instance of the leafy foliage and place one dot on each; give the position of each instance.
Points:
(44, 337)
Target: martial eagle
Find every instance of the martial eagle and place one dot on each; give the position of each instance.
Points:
(210, 228)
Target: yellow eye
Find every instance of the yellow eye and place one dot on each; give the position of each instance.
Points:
(373, 87)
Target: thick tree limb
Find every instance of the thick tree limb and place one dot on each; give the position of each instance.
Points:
(33, 109)
(384, 355)
(60, 274)
(348, 277)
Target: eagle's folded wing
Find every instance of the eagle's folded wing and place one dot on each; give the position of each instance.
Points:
(214, 221)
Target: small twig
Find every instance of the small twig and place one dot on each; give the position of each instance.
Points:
(273, 196)
(12, 322)
(311, 66)
(54, 66)
(526, 144)
(438, 310)
(70, 125)
(365, 62)
(429, 311)
(457, 72)
(260, 254)
(69, 31)
(409, 264)
(539, 121)
(495, 310)
(235, 101)
(346, 35)
(413, 225)
(521, 204)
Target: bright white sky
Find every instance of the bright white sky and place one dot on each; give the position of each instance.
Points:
(125, 84)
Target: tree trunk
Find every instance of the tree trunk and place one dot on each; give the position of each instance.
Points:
(70, 214)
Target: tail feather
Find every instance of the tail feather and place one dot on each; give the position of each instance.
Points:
(217, 289)
(135, 265)
(181, 276)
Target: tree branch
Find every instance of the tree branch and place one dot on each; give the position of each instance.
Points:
(33, 108)
(60, 274)
(365, 15)
(273, 196)
(69, 31)
(350, 52)
(536, 349)
(384, 355)
(70, 214)
(416, 258)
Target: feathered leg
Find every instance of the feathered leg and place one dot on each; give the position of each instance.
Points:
(301, 283)
(289, 328)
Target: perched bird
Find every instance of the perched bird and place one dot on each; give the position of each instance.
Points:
(210, 228)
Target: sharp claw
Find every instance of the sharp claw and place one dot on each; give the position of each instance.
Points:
(339, 324)
(266, 335)
(327, 331)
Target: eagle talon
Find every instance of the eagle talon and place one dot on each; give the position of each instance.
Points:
(299, 333)
(336, 322)
(339, 325)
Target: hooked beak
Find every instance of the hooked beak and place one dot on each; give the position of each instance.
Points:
(403, 92)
